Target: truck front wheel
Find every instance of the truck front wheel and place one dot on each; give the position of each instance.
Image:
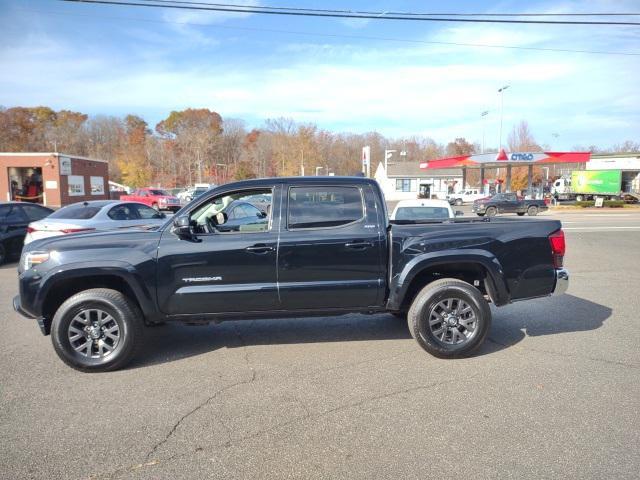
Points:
(449, 318)
(97, 330)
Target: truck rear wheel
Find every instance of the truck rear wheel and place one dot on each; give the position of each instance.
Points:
(97, 330)
(449, 318)
(532, 211)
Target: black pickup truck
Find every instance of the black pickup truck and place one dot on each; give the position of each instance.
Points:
(507, 203)
(318, 246)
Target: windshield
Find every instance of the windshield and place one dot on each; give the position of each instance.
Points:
(421, 213)
(158, 192)
(76, 212)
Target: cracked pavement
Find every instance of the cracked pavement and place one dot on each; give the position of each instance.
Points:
(554, 392)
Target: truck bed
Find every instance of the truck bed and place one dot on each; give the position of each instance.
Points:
(516, 253)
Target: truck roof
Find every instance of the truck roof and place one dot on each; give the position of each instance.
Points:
(259, 182)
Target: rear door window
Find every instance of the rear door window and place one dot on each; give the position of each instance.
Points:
(324, 206)
(123, 212)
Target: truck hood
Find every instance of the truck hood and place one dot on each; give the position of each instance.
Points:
(116, 239)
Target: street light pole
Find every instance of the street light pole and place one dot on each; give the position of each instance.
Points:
(483, 114)
(387, 156)
(501, 92)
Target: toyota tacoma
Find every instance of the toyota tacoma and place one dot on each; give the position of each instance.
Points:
(317, 246)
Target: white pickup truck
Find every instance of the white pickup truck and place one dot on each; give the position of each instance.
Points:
(465, 196)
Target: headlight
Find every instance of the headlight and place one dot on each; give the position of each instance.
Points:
(30, 259)
(163, 200)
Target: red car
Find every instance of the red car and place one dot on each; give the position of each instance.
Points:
(155, 198)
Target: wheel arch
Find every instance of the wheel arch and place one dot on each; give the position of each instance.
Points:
(62, 285)
(469, 266)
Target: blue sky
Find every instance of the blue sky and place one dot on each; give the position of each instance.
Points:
(116, 60)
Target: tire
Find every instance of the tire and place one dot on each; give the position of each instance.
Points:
(3, 253)
(520, 214)
(429, 302)
(102, 310)
(155, 207)
(532, 211)
(458, 202)
(579, 198)
(491, 211)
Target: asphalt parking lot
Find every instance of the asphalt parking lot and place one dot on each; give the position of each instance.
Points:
(554, 392)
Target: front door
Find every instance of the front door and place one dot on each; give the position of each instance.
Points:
(225, 267)
(331, 245)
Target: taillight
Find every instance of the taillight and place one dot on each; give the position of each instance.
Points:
(30, 229)
(558, 247)
(76, 230)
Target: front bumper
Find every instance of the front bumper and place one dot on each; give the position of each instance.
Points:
(562, 282)
(17, 306)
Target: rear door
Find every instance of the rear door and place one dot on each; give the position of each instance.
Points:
(330, 253)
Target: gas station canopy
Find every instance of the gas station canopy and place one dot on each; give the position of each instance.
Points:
(501, 159)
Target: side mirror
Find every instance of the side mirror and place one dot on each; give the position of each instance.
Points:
(182, 226)
(161, 215)
(459, 213)
(220, 218)
(261, 214)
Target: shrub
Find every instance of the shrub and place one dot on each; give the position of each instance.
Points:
(607, 203)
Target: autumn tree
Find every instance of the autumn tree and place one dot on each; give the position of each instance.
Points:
(195, 133)
(460, 147)
(133, 159)
(521, 139)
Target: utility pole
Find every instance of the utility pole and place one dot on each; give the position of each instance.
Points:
(501, 92)
(483, 115)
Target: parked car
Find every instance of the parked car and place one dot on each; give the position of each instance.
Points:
(190, 193)
(423, 210)
(261, 202)
(96, 215)
(465, 196)
(14, 219)
(508, 203)
(329, 248)
(155, 198)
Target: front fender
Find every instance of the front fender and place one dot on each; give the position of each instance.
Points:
(497, 286)
(126, 272)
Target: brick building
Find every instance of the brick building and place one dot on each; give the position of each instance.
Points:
(52, 179)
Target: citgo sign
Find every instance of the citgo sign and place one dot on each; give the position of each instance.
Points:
(522, 157)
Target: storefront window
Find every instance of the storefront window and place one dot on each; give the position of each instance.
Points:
(97, 186)
(76, 185)
(406, 185)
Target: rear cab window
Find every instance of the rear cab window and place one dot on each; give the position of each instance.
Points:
(324, 206)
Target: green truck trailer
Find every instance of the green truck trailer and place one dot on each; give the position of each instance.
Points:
(587, 184)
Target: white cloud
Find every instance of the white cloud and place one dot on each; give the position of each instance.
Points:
(396, 88)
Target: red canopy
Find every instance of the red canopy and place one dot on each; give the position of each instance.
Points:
(503, 158)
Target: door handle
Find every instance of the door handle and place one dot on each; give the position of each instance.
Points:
(259, 249)
(358, 245)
